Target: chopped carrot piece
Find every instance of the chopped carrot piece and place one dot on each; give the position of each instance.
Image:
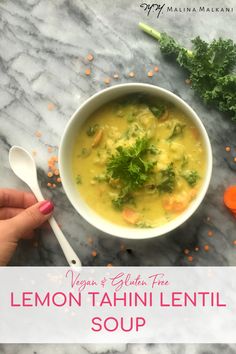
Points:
(131, 74)
(130, 215)
(227, 148)
(150, 74)
(234, 159)
(90, 57)
(156, 69)
(97, 138)
(50, 174)
(230, 197)
(56, 172)
(190, 258)
(49, 184)
(88, 72)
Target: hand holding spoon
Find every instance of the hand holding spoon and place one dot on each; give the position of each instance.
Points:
(23, 165)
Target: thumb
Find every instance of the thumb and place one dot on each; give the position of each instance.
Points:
(30, 219)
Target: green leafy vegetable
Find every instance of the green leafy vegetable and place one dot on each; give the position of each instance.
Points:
(211, 67)
(177, 131)
(191, 177)
(130, 167)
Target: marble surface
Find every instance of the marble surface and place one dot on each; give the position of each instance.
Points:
(43, 50)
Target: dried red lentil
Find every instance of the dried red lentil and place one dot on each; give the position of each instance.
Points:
(94, 253)
(190, 258)
(150, 74)
(88, 72)
(227, 148)
(210, 233)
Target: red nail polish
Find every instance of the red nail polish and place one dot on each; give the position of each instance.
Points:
(46, 207)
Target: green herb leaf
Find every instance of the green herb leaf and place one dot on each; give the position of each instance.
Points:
(191, 177)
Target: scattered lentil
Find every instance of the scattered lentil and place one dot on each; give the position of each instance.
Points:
(206, 248)
(131, 74)
(116, 76)
(210, 233)
(90, 57)
(186, 251)
(51, 106)
(227, 148)
(188, 81)
(190, 258)
(38, 134)
(88, 72)
(150, 74)
(107, 81)
(156, 69)
(94, 253)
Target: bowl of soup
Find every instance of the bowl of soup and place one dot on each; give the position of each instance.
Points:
(135, 161)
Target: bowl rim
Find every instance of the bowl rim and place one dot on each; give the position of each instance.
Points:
(137, 233)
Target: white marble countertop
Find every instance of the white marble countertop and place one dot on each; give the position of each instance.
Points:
(43, 50)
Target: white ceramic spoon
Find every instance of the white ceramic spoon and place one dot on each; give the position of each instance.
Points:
(23, 165)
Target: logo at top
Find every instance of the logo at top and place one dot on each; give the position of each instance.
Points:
(148, 8)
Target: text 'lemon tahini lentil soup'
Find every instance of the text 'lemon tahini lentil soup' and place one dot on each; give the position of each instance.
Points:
(138, 161)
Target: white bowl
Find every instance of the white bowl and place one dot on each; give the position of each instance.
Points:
(67, 145)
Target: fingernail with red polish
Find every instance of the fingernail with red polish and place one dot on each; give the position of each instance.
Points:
(46, 207)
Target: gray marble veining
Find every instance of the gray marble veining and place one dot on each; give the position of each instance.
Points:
(43, 49)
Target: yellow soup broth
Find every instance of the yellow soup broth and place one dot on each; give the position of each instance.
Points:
(138, 161)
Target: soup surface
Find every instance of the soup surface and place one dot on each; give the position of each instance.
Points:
(138, 161)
